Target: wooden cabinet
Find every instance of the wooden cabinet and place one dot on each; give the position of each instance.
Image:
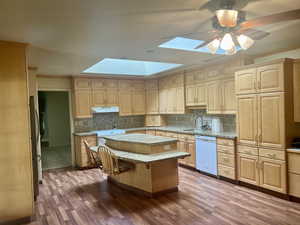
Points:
(105, 92)
(196, 95)
(82, 83)
(245, 81)
(247, 121)
(190, 148)
(229, 99)
(138, 102)
(112, 97)
(221, 97)
(247, 169)
(226, 158)
(294, 172)
(125, 98)
(132, 99)
(271, 120)
(270, 78)
(272, 174)
(214, 97)
(186, 143)
(83, 103)
(296, 88)
(171, 95)
(152, 101)
(99, 97)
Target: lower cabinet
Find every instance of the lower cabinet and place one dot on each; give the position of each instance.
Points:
(226, 158)
(261, 171)
(294, 172)
(186, 143)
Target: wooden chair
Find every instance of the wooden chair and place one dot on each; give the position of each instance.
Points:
(111, 165)
(93, 158)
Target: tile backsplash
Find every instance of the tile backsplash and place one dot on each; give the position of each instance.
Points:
(104, 121)
(188, 119)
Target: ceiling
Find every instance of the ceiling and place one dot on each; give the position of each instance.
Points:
(68, 36)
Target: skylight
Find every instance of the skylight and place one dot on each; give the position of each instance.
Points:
(130, 67)
(187, 44)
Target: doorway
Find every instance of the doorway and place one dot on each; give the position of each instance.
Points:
(55, 129)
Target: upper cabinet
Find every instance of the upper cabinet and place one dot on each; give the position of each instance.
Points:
(82, 98)
(269, 78)
(152, 97)
(195, 89)
(171, 95)
(104, 92)
(132, 97)
(296, 88)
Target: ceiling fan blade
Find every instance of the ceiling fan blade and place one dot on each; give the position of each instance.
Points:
(205, 43)
(162, 11)
(275, 18)
(256, 34)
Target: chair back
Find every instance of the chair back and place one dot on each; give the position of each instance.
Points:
(91, 158)
(109, 160)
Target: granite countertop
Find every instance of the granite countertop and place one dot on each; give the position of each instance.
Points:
(175, 129)
(142, 158)
(141, 139)
(293, 150)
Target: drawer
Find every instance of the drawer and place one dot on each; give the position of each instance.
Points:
(247, 150)
(226, 159)
(224, 141)
(294, 184)
(151, 132)
(272, 154)
(170, 134)
(226, 171)
(225, 149)
(186, 137)
(294, 163)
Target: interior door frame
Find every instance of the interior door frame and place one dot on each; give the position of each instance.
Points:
(70, 97)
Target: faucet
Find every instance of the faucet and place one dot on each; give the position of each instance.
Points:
(196, 122)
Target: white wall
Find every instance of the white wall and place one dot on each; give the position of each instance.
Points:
(294, 54)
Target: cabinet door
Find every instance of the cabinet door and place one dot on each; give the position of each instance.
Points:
(99, 83)
(139, 102)
(229, 99)
(270, 78)
(99, 97)
(179, 101)
(191, 95)
(271, 129)
(171, 102)
(163, 100)
(247, 119)
(125, 102)
(112, 97)
(83, 103)
(245, 81)
(152, 101)
(214, 97)
(191, 149)
(273, 174)
(247, 169)
(182, 147)
(201, 94)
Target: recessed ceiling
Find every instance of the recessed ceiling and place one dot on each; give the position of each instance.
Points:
(67, 36)
(130, 67)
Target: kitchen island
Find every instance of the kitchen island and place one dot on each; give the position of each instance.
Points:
(155, 162)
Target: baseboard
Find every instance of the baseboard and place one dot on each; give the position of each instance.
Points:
(294, 199)
(17, 222)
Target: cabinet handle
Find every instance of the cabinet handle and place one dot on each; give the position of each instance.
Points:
(258, 84)
(257, 165)
(261, 165)
(273, 156)
(248, 152)
(254, 83)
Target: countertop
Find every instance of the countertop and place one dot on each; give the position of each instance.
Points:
(141, 139)
(175, 129)
(142, 158)
(294, 150)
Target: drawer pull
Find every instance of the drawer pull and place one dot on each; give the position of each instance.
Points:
(226, 160)
(248, 152)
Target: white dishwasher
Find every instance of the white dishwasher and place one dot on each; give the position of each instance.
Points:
(206, 154)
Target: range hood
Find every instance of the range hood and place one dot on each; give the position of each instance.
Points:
(105, 109)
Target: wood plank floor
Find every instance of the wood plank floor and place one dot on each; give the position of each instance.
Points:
(73, 197)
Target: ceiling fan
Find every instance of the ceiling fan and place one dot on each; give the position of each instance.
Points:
(231, 29)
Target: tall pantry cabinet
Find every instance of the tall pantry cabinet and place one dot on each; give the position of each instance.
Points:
(265, 123)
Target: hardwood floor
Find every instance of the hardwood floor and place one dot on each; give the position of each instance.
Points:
(75, 197)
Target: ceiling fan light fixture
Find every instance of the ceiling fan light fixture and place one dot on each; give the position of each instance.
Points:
(245, 41)
(231, 51)
(214, 45)
(227, 17)
(227, 42)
